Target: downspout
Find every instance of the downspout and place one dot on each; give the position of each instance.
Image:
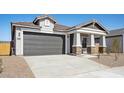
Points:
(123, 42)
(66, 43)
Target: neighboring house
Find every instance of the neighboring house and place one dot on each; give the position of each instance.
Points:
(44, 36)
(117, 34)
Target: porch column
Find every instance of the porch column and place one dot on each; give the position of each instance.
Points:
(91, 44)
(92, 40)
(77, 48)
(102, 44)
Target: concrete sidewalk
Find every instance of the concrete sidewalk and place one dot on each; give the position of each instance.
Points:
(117, 72)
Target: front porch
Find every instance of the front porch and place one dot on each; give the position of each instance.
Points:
(88, 44)
(88, 38)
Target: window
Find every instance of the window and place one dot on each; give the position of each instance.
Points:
(97, 40)
(47, 22)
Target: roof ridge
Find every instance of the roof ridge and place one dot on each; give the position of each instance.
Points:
(117, 29)
(62, 24)
(22, 22)
(83, 23)
(44, 16)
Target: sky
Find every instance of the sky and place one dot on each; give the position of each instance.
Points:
(109, 21)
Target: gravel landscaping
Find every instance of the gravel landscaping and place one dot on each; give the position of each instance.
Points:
(15, 67)
(109, 60)
(62, 66)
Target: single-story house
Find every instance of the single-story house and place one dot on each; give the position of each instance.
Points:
(117, 34)
(44, 36)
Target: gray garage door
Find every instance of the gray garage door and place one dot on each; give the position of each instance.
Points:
(43, 44)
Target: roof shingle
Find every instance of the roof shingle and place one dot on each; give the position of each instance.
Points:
(30, 24)
(57, 27)
(116, 32)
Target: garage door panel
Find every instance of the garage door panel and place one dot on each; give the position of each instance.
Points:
(43, 52)
(45, 39)
(43, 44)
(38, 37)
(43, 47)
(37, 50)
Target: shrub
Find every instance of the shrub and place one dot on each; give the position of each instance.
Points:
(108, 50)
(115, 47)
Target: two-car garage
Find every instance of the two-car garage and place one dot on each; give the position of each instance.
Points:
(43, 44)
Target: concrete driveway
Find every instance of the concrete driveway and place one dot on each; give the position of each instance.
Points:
(58, 66)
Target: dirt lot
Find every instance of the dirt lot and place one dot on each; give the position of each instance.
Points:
(15, 67)
(109, 60)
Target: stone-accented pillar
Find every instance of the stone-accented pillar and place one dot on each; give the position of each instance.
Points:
(77, 48)
(91, 44)
(102, 47)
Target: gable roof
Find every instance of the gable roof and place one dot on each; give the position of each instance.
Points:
(116, 32)
(87, 23)
(44, 17)
(57, 27)
(25, 24)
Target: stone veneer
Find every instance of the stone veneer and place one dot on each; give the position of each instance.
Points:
(91, 50)
(102, 49)
(77, 50)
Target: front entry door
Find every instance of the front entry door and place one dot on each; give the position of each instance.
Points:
(84, 45)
